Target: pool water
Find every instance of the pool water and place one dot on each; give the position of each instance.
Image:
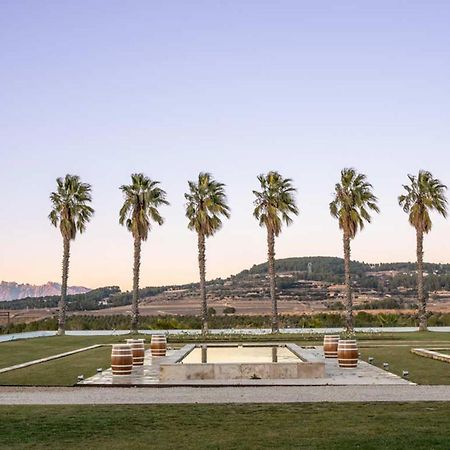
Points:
(240, 354)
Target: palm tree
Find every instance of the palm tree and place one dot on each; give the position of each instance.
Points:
(142, 198)
(353, 201)
(423, 194)
(71, 212)
(206, 204)
(272, 207)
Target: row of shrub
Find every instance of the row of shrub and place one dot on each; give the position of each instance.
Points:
(321, 320)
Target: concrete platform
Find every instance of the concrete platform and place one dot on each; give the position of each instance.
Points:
(149, 375)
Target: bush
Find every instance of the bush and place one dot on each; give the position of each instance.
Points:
(170, 322)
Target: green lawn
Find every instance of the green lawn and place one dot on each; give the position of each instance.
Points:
(23, 350)
(60, 372)
(309, 426)
(421, 370)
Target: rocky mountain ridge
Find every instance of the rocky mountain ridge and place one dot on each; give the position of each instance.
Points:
(11, 290)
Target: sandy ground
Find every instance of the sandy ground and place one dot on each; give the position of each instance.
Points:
(191, 306)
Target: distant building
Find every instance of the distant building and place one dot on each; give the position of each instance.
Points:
(384, 273)
(336, 290)
(441, 293)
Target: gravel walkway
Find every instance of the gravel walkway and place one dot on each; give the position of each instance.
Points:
(284, 394)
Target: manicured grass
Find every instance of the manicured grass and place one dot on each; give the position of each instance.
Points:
(23, 350)
(310, 426)
(421, 370)
(60, 372)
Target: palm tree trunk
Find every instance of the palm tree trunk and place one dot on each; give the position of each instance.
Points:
(420, 290)
(65, 276)
(201, 266)
(136, 270)
(271, 264)
(348, 284)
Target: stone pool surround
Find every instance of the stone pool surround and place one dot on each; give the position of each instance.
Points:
(308, 366)
(433, 353)
(148, 375)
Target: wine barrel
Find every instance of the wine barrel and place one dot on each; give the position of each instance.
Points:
(330, 345)
(347, 353)
(121, 359)
(137, 349)
(158, 345)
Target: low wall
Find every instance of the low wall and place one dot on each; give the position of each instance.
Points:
(236, 371)
(432, 353)
(308, 366)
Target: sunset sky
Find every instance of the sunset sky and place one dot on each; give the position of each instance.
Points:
(106, 88)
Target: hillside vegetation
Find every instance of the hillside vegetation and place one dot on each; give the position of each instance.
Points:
(329, 266)
(171, 322)
(318, 268)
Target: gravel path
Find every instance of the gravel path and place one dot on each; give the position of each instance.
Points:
(284, 394)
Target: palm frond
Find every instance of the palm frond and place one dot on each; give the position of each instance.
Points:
(275, 203)
(142, 198)
(353, 202)
(71, 210)
(424, 194)
(206, 204)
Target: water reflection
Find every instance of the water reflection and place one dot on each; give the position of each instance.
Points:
(239, 354)
(204, 354)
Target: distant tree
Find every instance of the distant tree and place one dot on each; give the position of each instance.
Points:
(229, 310)
(273, 206)
(353, 201)
(70, 212)
(142, 198)
(423, 195)
(206, 205)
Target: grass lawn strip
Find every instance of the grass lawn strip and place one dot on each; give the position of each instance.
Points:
(24, 350)
(400, 426)
(60, 372)
(421, 370)
(48, 358)
(431, 353)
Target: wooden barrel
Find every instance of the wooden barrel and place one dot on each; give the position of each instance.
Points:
(330, 345)
(121, 359)
(158, 345)
(347, 353)
(137, 349)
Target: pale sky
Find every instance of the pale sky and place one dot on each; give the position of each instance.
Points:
(106, 88)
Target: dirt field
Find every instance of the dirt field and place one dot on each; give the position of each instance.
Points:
(191, 306)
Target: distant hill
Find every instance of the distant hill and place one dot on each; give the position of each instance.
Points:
(323, 265)
(326, 266)
(251, 283)
(12, 290)
(99, 298)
